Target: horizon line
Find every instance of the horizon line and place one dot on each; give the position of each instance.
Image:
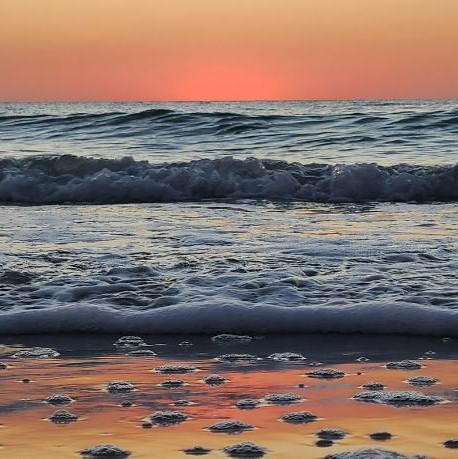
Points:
(131, 101)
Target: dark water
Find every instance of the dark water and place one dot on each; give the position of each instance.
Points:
(309, 151)
(387, 132)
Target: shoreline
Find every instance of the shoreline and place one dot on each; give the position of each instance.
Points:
(86, 365)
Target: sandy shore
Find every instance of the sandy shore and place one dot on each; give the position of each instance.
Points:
(87, 364)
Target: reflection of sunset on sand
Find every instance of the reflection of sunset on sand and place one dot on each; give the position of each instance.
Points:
(27, 433)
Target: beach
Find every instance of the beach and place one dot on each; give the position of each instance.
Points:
(321, 237)
(87, 365)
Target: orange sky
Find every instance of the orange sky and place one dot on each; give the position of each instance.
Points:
(227, 49)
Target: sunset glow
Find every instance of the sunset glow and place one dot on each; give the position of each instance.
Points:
(227, 49)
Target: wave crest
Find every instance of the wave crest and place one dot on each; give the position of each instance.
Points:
(75, 179)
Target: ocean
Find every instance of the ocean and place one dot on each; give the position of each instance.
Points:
(206, 217)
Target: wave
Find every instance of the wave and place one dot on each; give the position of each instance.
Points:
(227, 122)
(75, 179)
(367, 318)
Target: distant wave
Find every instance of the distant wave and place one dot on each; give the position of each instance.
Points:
(223, 122)
(157, 116)
(75, 179)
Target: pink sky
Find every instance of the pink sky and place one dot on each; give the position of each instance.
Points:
(227, 49)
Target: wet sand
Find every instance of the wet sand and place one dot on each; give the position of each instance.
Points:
(87, 364)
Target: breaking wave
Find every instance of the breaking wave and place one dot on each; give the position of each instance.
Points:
(76, 179)
(367, 318)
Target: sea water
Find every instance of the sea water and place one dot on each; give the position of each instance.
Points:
(229, 217)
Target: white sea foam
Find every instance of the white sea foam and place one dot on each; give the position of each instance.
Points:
(247, 267)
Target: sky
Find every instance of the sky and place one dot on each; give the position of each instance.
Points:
(83, 50)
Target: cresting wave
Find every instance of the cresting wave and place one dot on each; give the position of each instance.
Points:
(74, 179)
(205, 318)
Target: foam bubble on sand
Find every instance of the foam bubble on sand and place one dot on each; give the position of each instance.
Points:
(245, 449)
(422, 381)
(286, 357)
(119, 387)
(373, 385)
(130, 341)
(381, 436)
(399, 398)
(331, 434)
(372, 453)
(142, 353)
(247, 404)
(282, 399)
(326, 373)
(299, 417)
(59, 399)
(172, 383)
(229, 339)
(214, 380)
(197, 451)
(230, 427)
(105, 451)
(3, 366)
(181, 403)
(174, 369)
(452, 444)
(321, 443)
(37, 353)
(62, 417)
(237, 358)
(403, 365)
(167, 418)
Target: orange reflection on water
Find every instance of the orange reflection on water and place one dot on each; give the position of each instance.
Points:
(27, 434)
